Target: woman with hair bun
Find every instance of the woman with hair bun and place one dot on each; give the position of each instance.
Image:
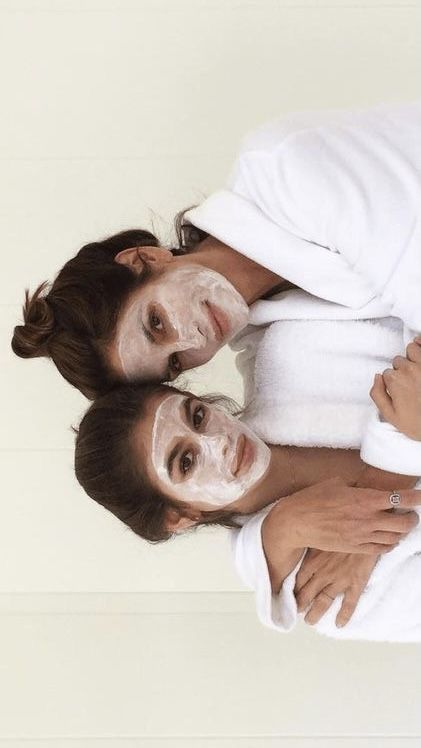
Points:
(117, 311)
(72, 320)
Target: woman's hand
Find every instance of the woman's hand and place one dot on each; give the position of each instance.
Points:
(332, 516)
(323, 576)
(397, 392)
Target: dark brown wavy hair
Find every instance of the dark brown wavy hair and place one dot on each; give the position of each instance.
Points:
(108, 469)
(72, 320)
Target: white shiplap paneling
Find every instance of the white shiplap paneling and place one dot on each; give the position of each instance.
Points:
(194, 741)
(198, 674)
(57, 539)
(113, 111)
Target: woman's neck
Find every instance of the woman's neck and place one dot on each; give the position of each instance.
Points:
(293, 468)
(279, 480)
(249, 278)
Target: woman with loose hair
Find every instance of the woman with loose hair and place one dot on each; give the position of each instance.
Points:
(163, 461)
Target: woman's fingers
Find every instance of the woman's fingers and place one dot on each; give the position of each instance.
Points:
(303, 576)
(387, 528)
(309, 592)
(325, 598)
(400, 363)
(381, 398)
(389, 521)
(376, 549)
(410, 497)
(349, 603)
(386, 538)
(311, 563)
(390, 377)
(413, 351)
(320, 606)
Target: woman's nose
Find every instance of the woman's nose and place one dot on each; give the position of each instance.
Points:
(191, 341)
(226, 447)
(196, 356)
(171, 333)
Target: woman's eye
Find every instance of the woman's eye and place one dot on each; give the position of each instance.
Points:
(186, 462)
(175, 366)
(198, 416)
(155, 322)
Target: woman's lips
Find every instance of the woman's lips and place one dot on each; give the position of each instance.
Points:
(219, 321)
(244, 456)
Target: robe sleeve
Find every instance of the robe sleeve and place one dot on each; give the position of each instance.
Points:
(275, 611)
(388, 610)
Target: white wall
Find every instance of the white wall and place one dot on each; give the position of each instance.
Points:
(116, 112)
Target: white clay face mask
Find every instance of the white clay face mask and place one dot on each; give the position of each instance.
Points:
(202, 454)
(191, 311)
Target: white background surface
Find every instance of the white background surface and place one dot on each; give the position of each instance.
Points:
(116, 113)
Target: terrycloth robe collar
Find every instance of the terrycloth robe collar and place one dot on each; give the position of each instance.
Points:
(241, 225)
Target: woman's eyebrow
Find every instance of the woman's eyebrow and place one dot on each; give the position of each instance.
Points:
(148, 335)
(185, 409)
(186, 406)
(171, 458)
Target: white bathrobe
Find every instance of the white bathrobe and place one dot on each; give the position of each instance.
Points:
(310, 382)
(332, 202)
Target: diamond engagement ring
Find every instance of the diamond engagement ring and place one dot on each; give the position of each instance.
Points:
(395, 498)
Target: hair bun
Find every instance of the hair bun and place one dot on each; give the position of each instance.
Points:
(31, 339)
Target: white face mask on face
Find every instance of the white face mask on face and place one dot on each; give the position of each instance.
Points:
(190, 309)
(202, 454)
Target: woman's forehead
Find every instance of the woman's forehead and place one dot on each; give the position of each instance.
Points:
(164, 422)
(143, 430)
(170, 419)
(163, 402)
(161, 407)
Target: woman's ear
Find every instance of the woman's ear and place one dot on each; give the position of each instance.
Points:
(136, 258)
(177, 522)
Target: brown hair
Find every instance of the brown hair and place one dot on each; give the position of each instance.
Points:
(188, 236)
(109, 471)
(72, 320)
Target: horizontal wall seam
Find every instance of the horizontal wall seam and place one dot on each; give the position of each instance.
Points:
(36, 449)
(256, 736)
(147, 157)
(89, 604)
(208, 8)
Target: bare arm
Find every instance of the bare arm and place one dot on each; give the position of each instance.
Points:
(372, 477)
(325, 575)
(332, 516)
(280, 558)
